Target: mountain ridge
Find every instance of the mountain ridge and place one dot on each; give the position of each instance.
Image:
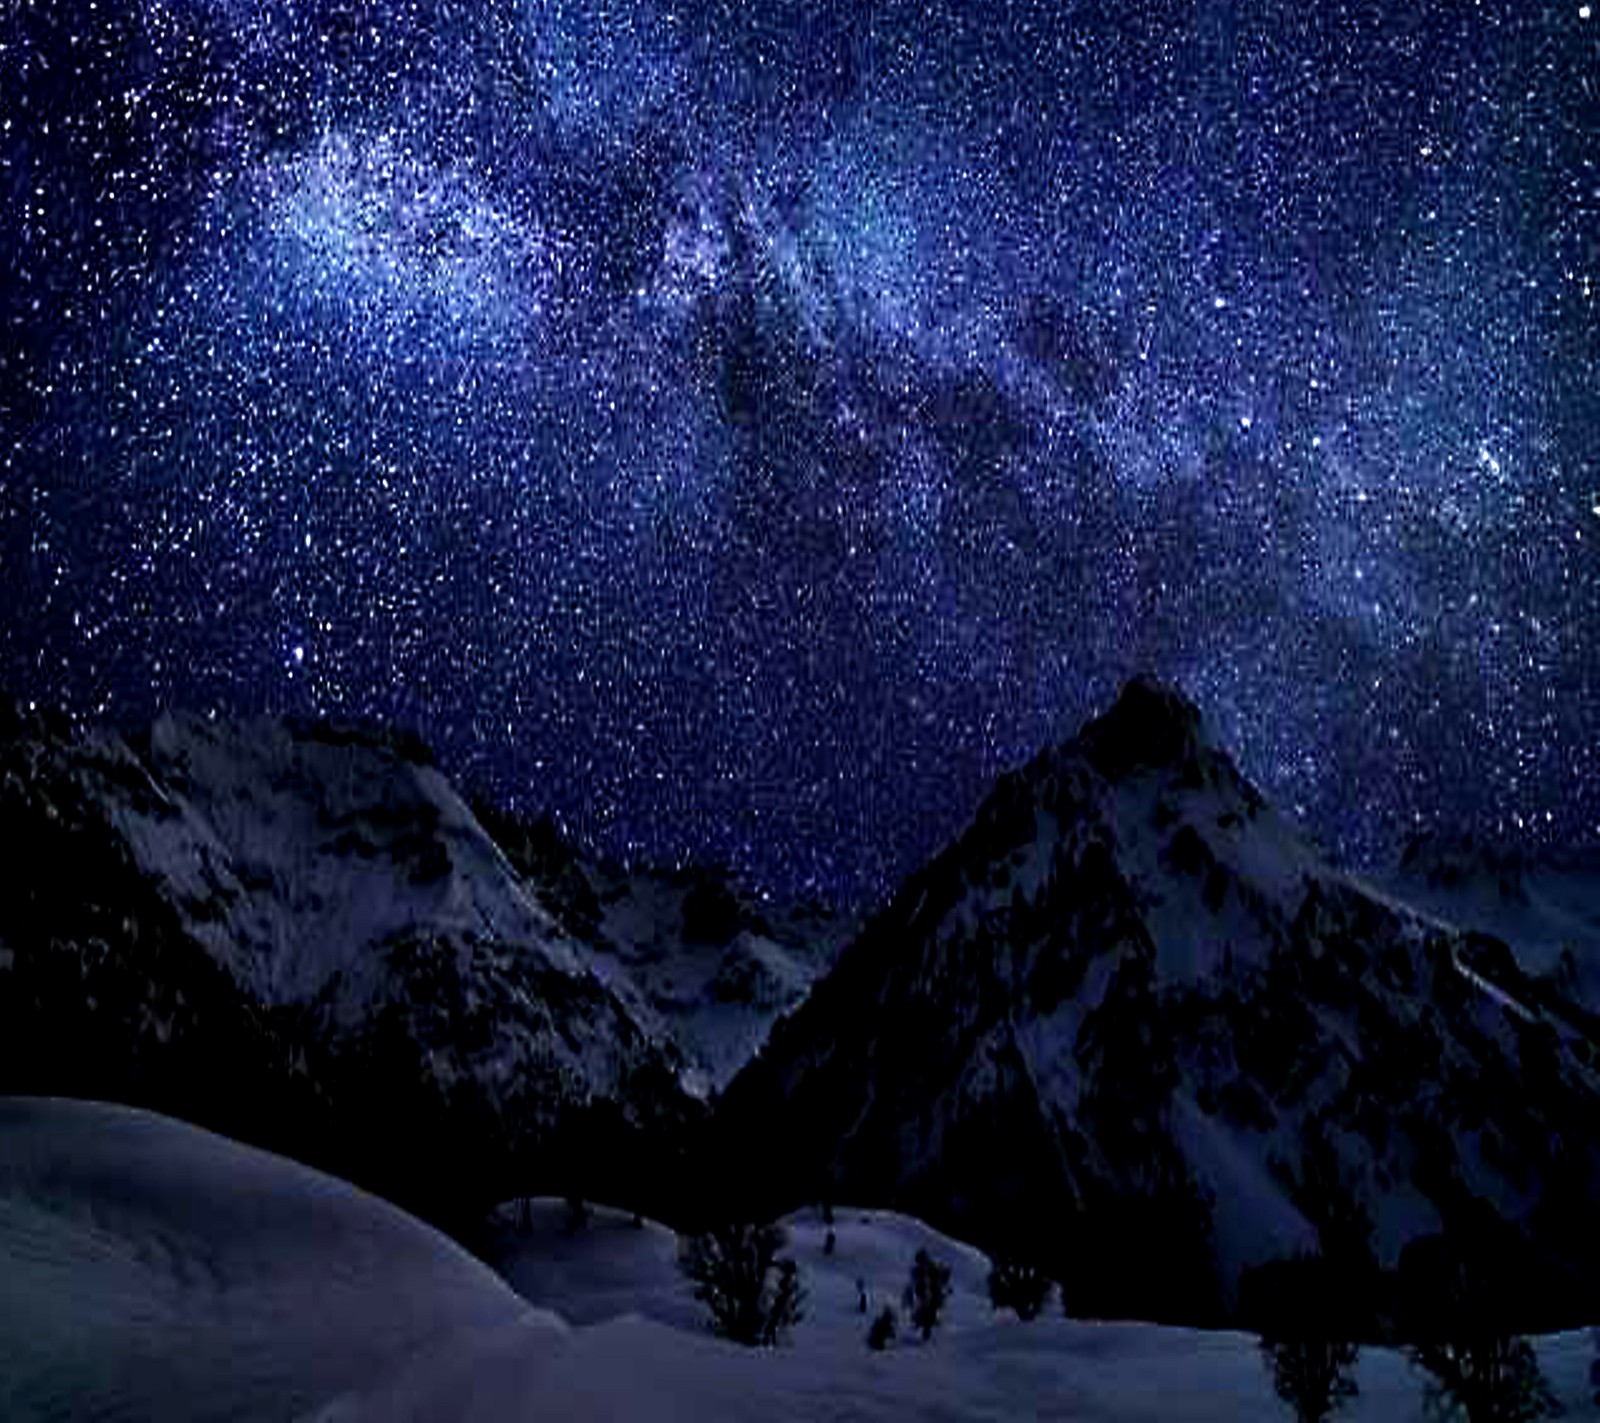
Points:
(1129, 1022)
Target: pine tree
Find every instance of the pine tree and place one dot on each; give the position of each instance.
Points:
(1020, 1286)
(882, 1333)
(1311, 1376)
(1491, 1378)
(927, 1291)
(754, 1297)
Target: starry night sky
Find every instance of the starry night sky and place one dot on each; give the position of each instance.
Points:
(744, 429)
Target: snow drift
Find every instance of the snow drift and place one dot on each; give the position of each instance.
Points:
(151, 1270)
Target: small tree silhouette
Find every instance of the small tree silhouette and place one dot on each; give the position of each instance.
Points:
(577, 1213)
(1301, 1308)
(754, 1297)
(1490, 1378)
(1311, 1375)
(926, 1292)
(1457, 1306)
(1018, 1285)
(882, 1333)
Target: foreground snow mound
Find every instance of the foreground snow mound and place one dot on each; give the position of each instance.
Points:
(150, 1270)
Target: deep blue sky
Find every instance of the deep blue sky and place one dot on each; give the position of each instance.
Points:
(745, 429)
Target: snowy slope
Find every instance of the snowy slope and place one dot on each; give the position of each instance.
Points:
(350, 881)
(620, 1287)
(337, 873)
(636, 1371)
(1132, 1022)
(719, 977)
(297, 853)
(103, 990)
(150, 1270)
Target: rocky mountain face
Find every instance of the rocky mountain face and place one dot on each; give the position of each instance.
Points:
(103, 992)
(707, 966)
(1545, 906)
(1132, 1025)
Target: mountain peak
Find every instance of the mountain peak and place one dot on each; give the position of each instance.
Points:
(1151, 725)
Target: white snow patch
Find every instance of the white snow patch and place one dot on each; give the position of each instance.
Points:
(719, 1001)
(656, 1359)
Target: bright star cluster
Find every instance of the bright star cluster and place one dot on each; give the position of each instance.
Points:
(743, 430)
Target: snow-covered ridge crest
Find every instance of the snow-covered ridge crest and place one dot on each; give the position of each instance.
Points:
(1545, 906)
(341, 872)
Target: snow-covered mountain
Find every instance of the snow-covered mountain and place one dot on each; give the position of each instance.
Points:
(102, 989)
(152, 1270)
(301, 855)
(327, 897)
(719, 969)
(1132, 1024)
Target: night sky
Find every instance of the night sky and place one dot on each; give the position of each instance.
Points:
(745, 429)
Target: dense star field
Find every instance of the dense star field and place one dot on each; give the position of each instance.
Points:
(745, 428)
